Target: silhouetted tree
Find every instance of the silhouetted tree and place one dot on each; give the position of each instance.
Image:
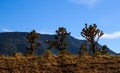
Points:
(104, 49)
(90, 33)
(33, 44)
(59, 41)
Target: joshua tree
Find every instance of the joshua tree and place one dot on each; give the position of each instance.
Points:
(90, 33)
(33, 44)
(59, 40)
(104, 49)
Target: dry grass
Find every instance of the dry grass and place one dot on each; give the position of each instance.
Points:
(60, 64)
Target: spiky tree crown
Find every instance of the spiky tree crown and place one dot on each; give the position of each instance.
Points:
(91, 32)
(33, 44)
(60, 40)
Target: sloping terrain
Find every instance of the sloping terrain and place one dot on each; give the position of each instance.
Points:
(11, 42)
(60, 64)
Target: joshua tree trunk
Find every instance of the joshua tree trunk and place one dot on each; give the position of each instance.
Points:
(93, 46)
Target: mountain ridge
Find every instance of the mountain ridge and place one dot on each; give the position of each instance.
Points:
(11, 42)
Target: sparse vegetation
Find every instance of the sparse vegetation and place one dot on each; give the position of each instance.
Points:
(64, 62)
(68, 64)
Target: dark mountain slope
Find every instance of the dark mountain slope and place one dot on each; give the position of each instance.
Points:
(11, 42)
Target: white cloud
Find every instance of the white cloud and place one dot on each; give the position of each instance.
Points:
(6, 30)
(114, 35)
(86, 2)
(45, 32)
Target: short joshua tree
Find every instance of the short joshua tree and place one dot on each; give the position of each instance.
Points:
(33, 43)
(59, 41)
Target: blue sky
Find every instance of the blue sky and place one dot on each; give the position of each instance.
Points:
(45, 16)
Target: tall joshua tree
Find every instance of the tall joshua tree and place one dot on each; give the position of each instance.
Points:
(33, 44)
(90, 33)
(59, 40)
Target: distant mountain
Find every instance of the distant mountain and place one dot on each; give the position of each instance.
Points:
(11, 42)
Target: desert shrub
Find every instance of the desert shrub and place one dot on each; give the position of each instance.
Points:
(64, 52)
(98, 53)
(18, 55)
(48, 53)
